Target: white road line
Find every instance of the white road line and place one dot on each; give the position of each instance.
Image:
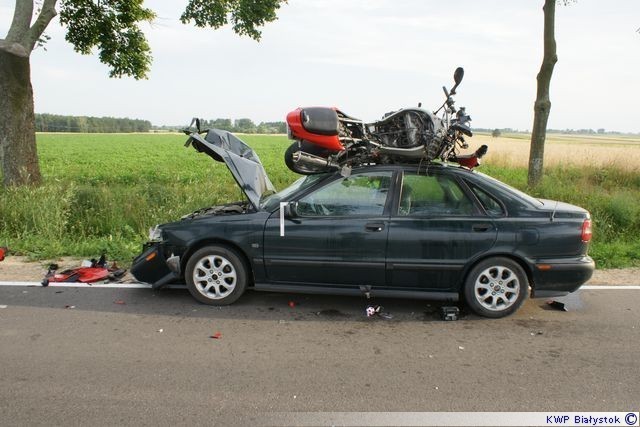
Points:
(81, 285)
(145, 286)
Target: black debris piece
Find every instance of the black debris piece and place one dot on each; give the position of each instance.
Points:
(449, 313)
(556, 305)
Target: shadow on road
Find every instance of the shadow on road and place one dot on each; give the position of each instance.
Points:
(252, 305)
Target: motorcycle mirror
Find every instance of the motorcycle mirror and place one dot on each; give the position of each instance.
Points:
(198, 125)
(457, 77)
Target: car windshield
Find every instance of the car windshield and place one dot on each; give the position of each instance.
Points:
(271, 202)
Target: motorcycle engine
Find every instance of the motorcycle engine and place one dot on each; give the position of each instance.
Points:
(404, 129)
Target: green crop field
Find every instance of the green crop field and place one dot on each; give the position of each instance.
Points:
(102, 192)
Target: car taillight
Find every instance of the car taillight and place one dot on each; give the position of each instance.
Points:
(586, 231)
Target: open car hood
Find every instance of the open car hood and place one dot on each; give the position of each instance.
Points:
(241, 160)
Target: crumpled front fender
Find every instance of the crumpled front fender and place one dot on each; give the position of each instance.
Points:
(154, 268)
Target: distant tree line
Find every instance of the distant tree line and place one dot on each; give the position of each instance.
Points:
(237, 125)
(499, 131)
(84, 124)
(246, 126)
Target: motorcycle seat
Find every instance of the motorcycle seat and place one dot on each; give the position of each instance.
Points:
(320, 120)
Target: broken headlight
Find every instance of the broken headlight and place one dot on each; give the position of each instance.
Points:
(155, 234)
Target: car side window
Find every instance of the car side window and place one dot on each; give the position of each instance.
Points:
(423, 195)
(489, 203)
(360, 194)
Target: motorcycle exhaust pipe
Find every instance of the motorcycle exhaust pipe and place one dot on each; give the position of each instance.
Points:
(300, 157)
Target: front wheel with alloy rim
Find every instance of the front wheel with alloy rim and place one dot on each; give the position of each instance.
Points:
(496, 287)
(216, 275)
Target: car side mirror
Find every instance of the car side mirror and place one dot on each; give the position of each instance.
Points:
(288, 210)
(291, 210)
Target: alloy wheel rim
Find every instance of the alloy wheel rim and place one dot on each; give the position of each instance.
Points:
(215, 277)
(497, 288)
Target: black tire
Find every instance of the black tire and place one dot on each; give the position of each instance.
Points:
(216, 275)
(496, 287)
(299, 168)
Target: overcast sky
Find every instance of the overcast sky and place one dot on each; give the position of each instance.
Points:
(366, 57)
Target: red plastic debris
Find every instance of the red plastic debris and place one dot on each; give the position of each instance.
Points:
(292, 304)
(3, 252)
(119, 301)
(216, 336)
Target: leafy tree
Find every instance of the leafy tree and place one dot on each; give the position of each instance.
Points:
(496, 133)
(224, 124)
(109, 26)
(245, 126)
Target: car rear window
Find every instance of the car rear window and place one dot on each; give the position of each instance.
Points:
(524, 196)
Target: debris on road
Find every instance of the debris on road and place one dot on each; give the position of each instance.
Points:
(70, 306)
(3, 252)
(556, 305)
(460, 347)
(4, 306)
(90, 271)
(376, 310)
(160, 330)
(292, 304)
(120, 302)
(216, 336)
(449, 313)
(372, 310)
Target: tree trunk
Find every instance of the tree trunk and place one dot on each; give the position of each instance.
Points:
(18, 154)
(542, 105)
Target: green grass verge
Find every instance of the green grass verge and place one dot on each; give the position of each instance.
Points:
(102, 192)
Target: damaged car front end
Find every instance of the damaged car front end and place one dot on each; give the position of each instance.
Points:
(162, 260)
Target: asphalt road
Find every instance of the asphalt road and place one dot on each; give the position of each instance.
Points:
(101, 362)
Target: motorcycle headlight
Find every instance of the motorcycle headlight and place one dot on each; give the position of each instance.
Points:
(155, 234)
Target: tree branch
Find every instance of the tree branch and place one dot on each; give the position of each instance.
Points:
(21, 20)
(47, 13)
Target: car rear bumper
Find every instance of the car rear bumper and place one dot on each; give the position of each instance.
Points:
(560, 276)
(154, 267)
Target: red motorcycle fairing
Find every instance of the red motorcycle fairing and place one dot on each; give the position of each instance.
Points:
(298, 131)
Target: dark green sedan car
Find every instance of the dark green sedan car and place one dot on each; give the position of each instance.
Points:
(431, 231)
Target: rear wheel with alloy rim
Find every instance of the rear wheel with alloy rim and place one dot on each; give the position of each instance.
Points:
(496, 287)
(216, 275)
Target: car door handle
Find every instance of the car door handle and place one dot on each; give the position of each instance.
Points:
(481, 227)
(374, 226)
